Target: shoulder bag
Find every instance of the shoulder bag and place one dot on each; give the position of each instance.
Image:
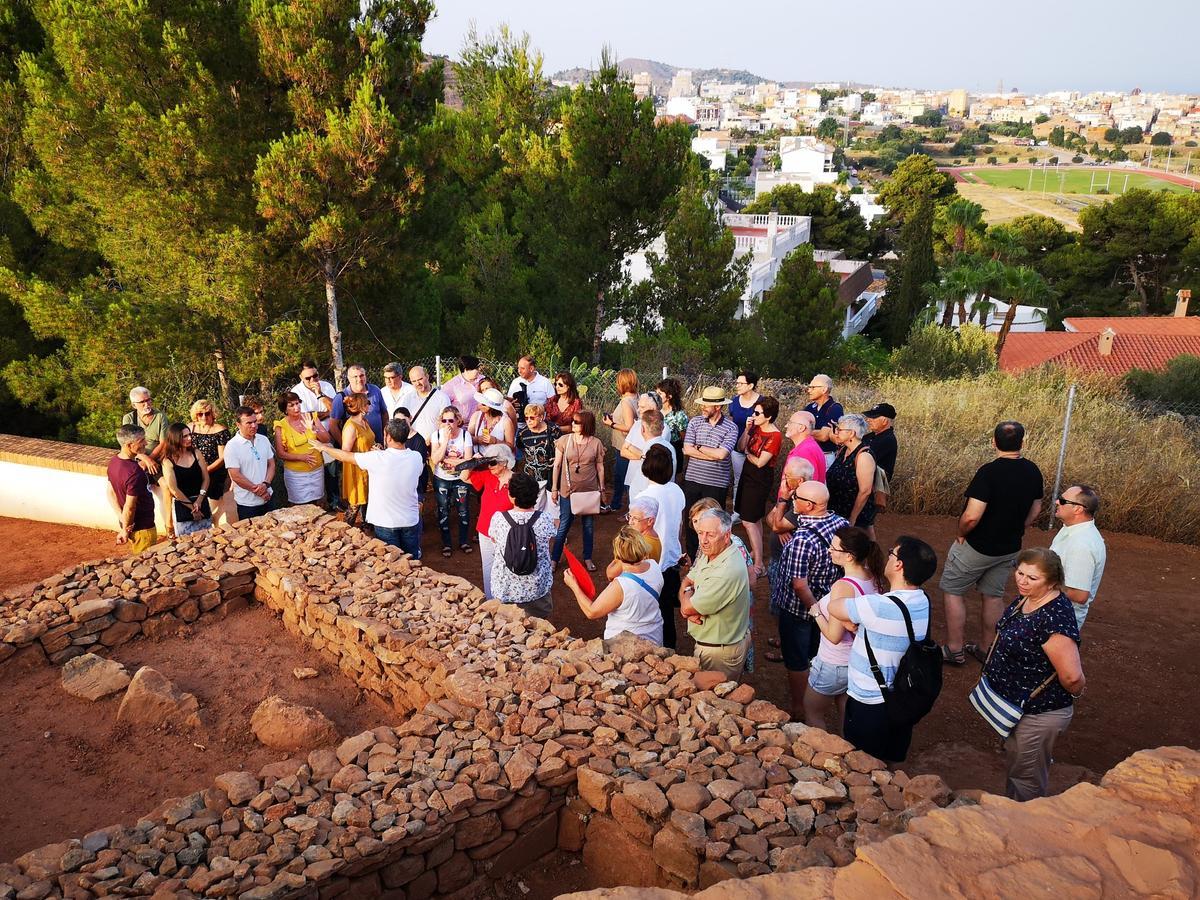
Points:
(999, 713)
(881, 492)
(583, 503)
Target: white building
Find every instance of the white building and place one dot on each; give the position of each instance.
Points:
(804, 160)
(868, 207)
(713, 146)
(769, 238)
(681, 85)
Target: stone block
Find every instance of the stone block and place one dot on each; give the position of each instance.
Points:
(528, 847)
(93, 677)
(120, 632)
(92, 609)
(455, 873)
(614, 857)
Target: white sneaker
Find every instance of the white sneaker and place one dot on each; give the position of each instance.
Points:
(736, 519)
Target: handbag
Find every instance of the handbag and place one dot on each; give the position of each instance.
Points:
(881, 492)
(1003, 715)
(583, 503)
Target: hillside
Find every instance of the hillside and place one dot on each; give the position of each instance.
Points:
(662, 73)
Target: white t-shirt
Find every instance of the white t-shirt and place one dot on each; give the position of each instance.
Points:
(639, 612)
(538, 389)
(638, 441)
(402, 397)
(310, 401)
(1083, 555)
(669, 519)
(426, 424)
(880, 619)
(392, 499)
(250, 459)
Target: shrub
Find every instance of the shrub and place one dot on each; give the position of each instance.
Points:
(1012, 159)
(939, 352)
(1076, 158)
(857, 357)
(1033, 160)
(971, 159)
(1178, 388)
(992, 160)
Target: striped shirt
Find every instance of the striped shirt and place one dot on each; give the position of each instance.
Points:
(879, 619)
(702, 433)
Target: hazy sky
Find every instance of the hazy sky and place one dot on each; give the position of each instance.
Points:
(1034, 46)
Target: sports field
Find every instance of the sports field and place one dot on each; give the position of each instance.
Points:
(1110, 180)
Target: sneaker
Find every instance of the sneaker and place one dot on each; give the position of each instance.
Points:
(736, 519)
(605, 509)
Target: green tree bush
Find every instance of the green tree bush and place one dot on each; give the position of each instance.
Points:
(1178, 388)
(935, 352)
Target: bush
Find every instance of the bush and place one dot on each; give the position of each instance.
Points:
(1076, 158)
(1178, 388)
(1012, 159)
(992, 160)
(858, 357)
(939, 352)
(1033, 160)
(971, 160)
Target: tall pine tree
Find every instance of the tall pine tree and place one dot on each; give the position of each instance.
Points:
(798, 321)
(917, 268)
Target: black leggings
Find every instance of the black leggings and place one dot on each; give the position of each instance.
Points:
(691, 493)
(668, 602)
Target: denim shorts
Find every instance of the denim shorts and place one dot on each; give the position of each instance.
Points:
(827, 679)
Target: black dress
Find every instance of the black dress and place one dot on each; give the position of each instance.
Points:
(190, 480)
(842, 481)
(208, 447)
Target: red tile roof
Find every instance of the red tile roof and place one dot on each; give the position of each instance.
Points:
(1177, 325)
(1026, 350)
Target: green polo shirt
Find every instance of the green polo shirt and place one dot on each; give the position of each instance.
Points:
(156, 431)
(722, 596)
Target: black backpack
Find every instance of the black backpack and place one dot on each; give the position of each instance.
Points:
(918, 678)
(520, 548)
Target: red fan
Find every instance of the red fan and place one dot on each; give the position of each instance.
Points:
(582, 575)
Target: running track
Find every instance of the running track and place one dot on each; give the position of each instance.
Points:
(957, 172)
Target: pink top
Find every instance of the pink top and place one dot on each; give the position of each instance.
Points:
(808, 449)
(462, 394)
(837, 654)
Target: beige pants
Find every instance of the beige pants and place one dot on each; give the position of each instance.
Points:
(224, 511)
(729, 660)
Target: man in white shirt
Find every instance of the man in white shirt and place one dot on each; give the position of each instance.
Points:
(311, 389)
(250, 462)
(396, 391)
(426, 403)
(645, 433)
(393, 506)
(537, 387)
(1080, 546)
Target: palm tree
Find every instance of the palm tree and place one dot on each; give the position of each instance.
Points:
(1003, 243)
(964, 216)
(991, 276)
(957, 284)
(1023, 285)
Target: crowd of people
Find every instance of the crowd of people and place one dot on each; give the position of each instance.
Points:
(512, 471)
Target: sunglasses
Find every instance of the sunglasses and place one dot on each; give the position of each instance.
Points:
(576, 422)
(1063, 500)
(308, 377)
(449, 421)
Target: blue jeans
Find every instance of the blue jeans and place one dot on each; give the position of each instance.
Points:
(565, 518)
(620, 468)
(448, 493)
(182, 528)
(407, 539)
(253, 512)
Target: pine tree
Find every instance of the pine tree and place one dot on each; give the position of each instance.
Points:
(799, 319)
(917, 268)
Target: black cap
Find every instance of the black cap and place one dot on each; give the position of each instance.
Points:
(881, 409)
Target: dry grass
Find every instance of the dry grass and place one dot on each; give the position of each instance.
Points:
(1002, 205)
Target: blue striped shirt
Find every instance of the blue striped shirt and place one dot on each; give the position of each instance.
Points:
(878, 618)
(702, 433)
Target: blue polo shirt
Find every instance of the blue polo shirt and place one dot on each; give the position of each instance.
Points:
(826, 415)
(376, 412)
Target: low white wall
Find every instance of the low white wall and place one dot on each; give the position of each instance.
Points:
(68, 498)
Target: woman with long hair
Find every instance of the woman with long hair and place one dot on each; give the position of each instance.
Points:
(357, 437)
(760, 445)
(451, 446)
(862, 560)
(561, 408)
(578, 469)
(674, 415)
(620, 420)
(185, 479)
(296, 437)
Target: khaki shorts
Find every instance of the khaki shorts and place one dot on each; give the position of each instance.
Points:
(729, 660)
(966, 568)
(142, 540)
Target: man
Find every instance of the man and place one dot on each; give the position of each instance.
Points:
(910, 563)
(250, 462)
(396, 391)
(129, 491)
(799, 430)
(825, 412)
(781, 518)
(356, 383)
(715, 598)
(745, 391)
(426, 403)
(537, 387)
(461, 389)
(1080, 546)
(806, 573)
(392, 504)
(643, 436)
(311, 389)
(154, 424)
(417, 444)
(530, 592)
(643, 511)
(1003, 499)
(708, 442)
(881, 439)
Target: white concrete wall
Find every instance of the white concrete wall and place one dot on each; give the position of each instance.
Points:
(66, 498)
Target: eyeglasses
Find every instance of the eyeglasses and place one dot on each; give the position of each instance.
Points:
(798, 499)
(892, 553)
(576, 422)
(143, 400)
(449, 421)
(206, 412)
(816, 387)
(560, 384)
(1063, 500)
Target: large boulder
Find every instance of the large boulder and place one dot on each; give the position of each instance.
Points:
(289, 726)
(151, 699)
(92, 677)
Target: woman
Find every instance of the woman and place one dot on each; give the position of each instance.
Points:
(640, 437)
(185, 478)
(357, 437)
(578, 468)
(658, 467)
(862, 560)
(492, 484)
(630, 601)
(488, 384)
(303, 465)
(620, 421)
(760, 443)
(535, 439)
(1034, 665)
(676, 417)
(209, 438)
(451, 446)
(561, 408)
(851, 477)
(491, 425)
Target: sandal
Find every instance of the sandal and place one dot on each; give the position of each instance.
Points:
(772, 656)
(589, 565)
(976, 651)
(772, 642)
(954, 657)
(466, 548)
(446, 552)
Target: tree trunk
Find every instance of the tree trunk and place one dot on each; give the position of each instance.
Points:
(948, 313)
(1006, 325)
(962, 311)
(229, 397)
(1143, 301)
(598, 328)
(335, 334)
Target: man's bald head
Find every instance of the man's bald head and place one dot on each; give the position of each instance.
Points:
(799, 425)
(813, 497)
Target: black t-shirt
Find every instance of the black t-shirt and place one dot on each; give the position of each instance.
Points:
(1008, 487)
(826, 415)
(883, 447)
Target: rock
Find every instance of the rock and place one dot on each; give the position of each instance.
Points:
(239, 787)
(764, 712)
(688, 796)
(289, 726)
(519, 769)
(629, 647)
(92, 677)
(677, 854)
(927, 787)
(706, 681)
(815, 790)
(348, 750)
(93, 609)
(300, 674)
(725, 788)
(749, 774)
(595, 788)
(648, 798)
(151, 699)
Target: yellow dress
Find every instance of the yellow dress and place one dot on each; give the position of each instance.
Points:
(354, 479)
(296, 442)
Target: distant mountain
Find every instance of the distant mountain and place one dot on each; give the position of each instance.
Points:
(662, 73)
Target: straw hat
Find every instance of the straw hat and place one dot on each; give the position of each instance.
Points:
(712, 396)
(491, 398)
